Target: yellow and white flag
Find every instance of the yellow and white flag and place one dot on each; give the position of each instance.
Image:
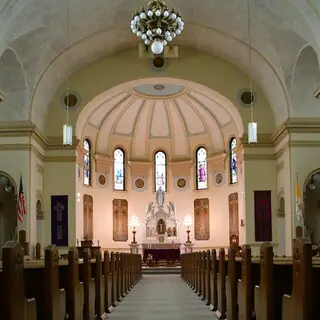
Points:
(299, 209)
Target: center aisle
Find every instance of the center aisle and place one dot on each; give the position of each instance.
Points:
(161, 297)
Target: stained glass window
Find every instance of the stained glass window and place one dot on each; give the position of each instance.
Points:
(87, 162)
(119, 169)
(160, 168)
(233, 161)
(202, 174)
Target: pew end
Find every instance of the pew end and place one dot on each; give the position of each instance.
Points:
(30, 307)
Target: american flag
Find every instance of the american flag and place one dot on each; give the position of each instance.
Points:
(20, 205)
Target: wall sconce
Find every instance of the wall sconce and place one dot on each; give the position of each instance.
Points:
(134, 223)
(242, 224)
(78, 197)
(188, 223)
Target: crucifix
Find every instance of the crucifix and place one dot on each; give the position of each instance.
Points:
(59, 208)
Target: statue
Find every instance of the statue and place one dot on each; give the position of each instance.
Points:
(160, 197)
(161, 227)
(150, 209)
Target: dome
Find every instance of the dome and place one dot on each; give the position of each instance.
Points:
(152, 113)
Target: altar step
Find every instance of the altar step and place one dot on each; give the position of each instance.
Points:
(161, 270)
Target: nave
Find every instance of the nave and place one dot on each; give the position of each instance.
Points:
(164, 296)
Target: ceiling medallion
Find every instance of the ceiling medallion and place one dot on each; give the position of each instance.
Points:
(159, 87)
(157, 25)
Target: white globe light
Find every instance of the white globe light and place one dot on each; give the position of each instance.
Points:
(133, 22)
(179, 20)
(158, 13)
(134, 30)
(167, 34)
(137, 18)
(150, 13)
(149, 33)
(164, 42)
(169, 39)
(144, 37)
(173, 16)
(157, 47)
(173, 35)
(159, 31)
(139, 33)
(143, 15)
(178, 32)
(166, 13)
(147, 42)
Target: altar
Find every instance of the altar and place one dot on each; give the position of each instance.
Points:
(161, 240)
(161, 226)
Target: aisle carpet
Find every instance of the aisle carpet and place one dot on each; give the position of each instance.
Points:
(162, 297)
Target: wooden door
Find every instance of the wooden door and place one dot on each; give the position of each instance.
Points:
(234, 220)
(87, 217)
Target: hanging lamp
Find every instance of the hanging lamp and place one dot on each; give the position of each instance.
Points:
(67, 128)
(252, 126)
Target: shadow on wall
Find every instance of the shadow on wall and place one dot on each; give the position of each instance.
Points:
(8, 212)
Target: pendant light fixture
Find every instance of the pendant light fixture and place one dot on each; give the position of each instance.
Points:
(67, 128)
(252, 126)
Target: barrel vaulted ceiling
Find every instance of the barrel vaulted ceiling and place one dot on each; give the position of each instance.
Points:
(36, 49)
(182, 114)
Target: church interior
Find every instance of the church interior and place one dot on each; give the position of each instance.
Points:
(177, 137)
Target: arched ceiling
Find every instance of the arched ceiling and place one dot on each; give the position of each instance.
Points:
(142, 112)
(37, 32)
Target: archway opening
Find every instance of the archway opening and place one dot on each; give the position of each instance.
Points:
(8, 212)
(312, 206)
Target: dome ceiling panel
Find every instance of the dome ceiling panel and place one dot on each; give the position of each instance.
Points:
(213, 128)
(180, 140)
(160, 127)
(221, 114)
(107, 126)
(127, 121)
(193, 122)
(141, 131)
(106, 107)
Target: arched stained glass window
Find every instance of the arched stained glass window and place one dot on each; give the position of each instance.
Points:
(160, 169)
(233, 161)
(87, 162)
(119, 169)
(202, 173)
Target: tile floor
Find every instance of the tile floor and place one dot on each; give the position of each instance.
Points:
(162, 297)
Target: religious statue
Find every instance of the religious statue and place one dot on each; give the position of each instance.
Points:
(202, 173)
(160, 197)
(161, 227)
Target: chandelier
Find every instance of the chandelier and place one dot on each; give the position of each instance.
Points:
(157, 25)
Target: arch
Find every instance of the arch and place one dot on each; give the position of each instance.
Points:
(119, 169)
(160, 170)
(233, 161)
(8, 205)
(201, 168)
(87, 162)
(305, 80)
(96, 102)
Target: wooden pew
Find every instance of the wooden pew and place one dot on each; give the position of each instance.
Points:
(13, 304)
(214, 280)
(88, 287)
(75, 298)
(264, 302)
(245, 286)
(232, 286)
(207, 278)
(221, 279)
(108, 282)
(100, 289)
(298, 306)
